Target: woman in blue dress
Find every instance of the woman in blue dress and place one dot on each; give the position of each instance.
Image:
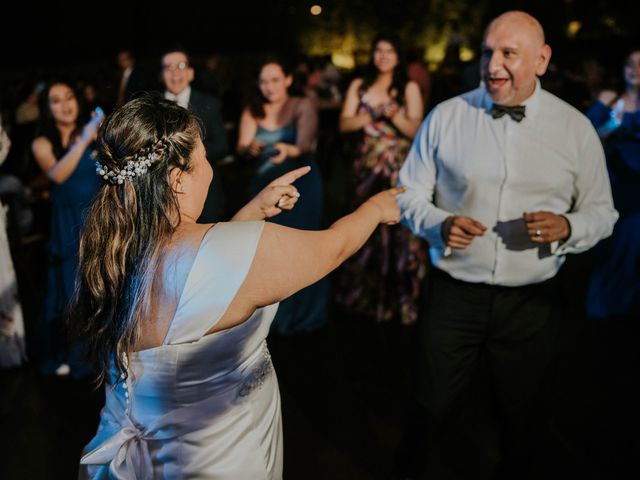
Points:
(614, 291)
(613, 297)
(278, 133)
(64, 152)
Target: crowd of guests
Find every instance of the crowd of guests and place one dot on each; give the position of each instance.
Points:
(49, 143)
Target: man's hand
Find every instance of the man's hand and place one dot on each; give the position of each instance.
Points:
(458, 231)
(547, 227)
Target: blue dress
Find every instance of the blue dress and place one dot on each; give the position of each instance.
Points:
(69, 200)
(305, 311)
(614, 289)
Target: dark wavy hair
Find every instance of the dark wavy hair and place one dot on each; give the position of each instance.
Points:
(400, 79)
(257, 100)
(47, 124)
(128, 227)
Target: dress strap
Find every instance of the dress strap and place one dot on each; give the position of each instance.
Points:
(219, 269)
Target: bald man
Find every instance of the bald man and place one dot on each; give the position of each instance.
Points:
(503, 182)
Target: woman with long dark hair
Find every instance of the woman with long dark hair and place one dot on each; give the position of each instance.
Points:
(64, 151)
(175, 313)
(615, 283)
(386, 109)
(278, 132)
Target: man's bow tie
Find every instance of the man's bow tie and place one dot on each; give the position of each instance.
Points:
(516, 113)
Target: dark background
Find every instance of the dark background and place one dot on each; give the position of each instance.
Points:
(345, 390)
(63, 32)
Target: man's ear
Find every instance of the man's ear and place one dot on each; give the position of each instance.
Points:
(175, 180)
(543, 60)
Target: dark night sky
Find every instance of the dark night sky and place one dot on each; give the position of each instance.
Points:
(68, 32)
(55, 31)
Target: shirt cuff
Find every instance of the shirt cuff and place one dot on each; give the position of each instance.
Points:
(578, 231)
(434, 233)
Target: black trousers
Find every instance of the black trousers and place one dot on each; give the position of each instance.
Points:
(481, 341)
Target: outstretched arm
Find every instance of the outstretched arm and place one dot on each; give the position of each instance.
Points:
(287, 260)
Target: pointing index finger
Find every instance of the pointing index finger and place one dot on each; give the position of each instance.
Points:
(290, 177)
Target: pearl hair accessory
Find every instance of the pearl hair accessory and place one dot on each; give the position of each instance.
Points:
(134, 168)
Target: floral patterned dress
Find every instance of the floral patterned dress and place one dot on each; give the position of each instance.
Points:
(383, 279)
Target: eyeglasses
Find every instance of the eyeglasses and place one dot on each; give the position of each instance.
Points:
(172, 68)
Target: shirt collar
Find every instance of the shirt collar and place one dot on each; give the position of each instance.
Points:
(181, 99)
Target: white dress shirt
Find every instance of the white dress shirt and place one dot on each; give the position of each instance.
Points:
(464, 162)
(181, 99)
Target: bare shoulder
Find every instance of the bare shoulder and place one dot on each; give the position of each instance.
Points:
(189, 236)
(412, 92)
(411, 88)
(355, 84)
(304, 105)
(607, 96)
(277, 239)
(247, 116)
(41, 144)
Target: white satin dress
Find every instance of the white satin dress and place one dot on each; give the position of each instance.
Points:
(199, 406)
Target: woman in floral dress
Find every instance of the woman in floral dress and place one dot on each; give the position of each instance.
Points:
(383, 279)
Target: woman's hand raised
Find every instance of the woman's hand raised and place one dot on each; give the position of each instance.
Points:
(277, 196)
(90, 130)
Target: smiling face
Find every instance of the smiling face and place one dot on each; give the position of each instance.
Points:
(632, 70)
(385, 57)
(274, 83)
(63, 104)
(513, 56)
(176, 72)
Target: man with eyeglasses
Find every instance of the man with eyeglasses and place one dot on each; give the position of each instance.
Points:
(177, 75)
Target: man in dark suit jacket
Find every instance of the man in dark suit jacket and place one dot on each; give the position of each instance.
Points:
(177, 75)
(131, 80)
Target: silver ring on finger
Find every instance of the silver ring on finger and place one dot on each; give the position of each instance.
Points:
(538, 232)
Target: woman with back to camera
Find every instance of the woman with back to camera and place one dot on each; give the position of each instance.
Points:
(64, 152)
(278, 132)
(383, 280)
(176, 313)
